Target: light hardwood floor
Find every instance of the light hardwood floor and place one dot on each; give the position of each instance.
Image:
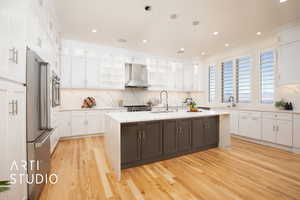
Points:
(247, 171)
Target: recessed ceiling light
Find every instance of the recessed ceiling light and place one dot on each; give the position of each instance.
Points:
(122, 40)
(226, 45)
(216, 33)
(181, 49)
(173, 16)
(196, 23)
(145, 41)
(203, 53)
(94, 31)
(258, 33)
(282, 1)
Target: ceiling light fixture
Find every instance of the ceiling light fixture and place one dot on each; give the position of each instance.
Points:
(173, 16)
(196, 23)
(121, 40)
(144, 41)
(226, 45)
(258, 33)
(94, 31)
(282, 1)
(203, 53)
(216, 33)
(181, 49)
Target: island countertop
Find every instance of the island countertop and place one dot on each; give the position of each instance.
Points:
(127, 117)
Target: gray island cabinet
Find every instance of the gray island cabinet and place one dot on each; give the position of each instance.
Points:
(133, 139)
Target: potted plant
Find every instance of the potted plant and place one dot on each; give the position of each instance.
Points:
(4, 186)
(280, 104)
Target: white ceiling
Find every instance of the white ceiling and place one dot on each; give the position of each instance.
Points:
(237, 21)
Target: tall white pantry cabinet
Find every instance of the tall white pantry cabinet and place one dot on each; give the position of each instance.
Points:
(13, 136)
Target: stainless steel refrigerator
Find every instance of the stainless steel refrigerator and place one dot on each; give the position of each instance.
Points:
(38, 84)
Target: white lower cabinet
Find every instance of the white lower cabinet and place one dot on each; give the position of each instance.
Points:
(250, 124)
(234, 122)
(13, 137)
(278, 128)
(84, 123)
(65, 125)
(296, 135)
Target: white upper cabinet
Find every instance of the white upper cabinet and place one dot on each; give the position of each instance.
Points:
(12, 40)
(66, 71)
(289, 63)
(289, 56)
(92, 72)
(78, 72)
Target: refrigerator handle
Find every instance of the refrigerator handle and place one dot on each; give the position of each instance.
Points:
(44, 97)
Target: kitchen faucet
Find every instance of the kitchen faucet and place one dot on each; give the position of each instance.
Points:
(167, 96)
(231, 101)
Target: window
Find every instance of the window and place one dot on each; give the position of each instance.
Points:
(227, 81)
(267, 65)
(211, 83)
(243, 80)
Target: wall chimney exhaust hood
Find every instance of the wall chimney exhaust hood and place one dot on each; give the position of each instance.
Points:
(136, 76)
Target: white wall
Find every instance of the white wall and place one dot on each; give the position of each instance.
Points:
(73, 98)
(253, 50)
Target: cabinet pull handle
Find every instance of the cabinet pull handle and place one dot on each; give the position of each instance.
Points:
(17, 110)
(11, 105)
(11, 56)
(16, 56)
(144, 135)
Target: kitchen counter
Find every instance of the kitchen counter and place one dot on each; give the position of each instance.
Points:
(152, 116)
(253, 109)
(114, 122)
(91, 109)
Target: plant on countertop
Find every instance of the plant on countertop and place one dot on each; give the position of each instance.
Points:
(89, 102)
(4, 186)
(280, 104)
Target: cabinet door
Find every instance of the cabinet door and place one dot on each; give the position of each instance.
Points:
(4, 40)
(268, 130)
(16, 139)
(198, 134)
(244, 123)
(289, 60)
(255, 124)
(170, 137)
(92, 73)
(130, 143)
(285, 132)
(65, 124)
(188, 78)
(78, 72)
(184, 135)
(4, 151)
(78, 123)
(211, 130)
(93, 122)
(296, 135)
(66, 71)
(152, 140)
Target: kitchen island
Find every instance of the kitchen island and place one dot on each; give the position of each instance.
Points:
(137, 138)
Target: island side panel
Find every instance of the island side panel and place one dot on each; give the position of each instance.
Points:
(112, 144)
(224, 131)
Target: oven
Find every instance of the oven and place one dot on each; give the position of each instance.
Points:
(55, 90)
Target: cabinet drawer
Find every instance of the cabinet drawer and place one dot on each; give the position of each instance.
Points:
(280, 116)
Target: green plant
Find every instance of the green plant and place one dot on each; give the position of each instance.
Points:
(280, 104)
(4, 185)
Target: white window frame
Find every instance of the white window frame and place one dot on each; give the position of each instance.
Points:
(237, 80)
(208, 73)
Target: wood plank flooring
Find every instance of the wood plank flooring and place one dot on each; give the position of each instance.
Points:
(246, 171)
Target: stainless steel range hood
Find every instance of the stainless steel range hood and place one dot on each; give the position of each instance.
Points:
(136, 75)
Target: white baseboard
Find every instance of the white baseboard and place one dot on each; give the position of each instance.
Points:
(296, 150)
(278, 146)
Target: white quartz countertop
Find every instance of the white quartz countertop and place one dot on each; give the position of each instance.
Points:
(126, 117)
(91, 109)
(254, 109)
